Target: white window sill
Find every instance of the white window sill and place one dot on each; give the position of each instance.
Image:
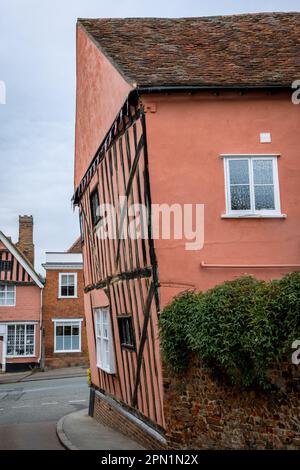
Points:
(16, 357)
(105, 369)
(253, 216)
(68, 351)
(7, 305)
(68, 297)
(70, 319)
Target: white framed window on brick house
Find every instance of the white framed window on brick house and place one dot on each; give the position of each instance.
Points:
(67, 335)
(7, 295)
(20, 340)
(67, 285)
(251, 186)
(104, 342)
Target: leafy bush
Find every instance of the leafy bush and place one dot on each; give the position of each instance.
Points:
(173, 328)
(239, 327)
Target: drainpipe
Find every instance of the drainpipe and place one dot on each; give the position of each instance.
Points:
(203, 264)
(4, 348)
(41, 359)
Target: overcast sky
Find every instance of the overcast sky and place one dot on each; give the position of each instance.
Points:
(37, 64)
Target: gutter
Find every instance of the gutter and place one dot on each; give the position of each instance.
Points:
(197, 88)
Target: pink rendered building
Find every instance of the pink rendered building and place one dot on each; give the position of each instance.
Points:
(194, 110)
(20, 301)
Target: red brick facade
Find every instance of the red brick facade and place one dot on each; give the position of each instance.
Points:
(62, 308)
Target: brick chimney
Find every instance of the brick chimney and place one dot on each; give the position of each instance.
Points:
(25, 243)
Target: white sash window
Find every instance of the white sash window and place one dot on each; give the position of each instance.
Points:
(104, 342)
(7, 295)
(252, 187)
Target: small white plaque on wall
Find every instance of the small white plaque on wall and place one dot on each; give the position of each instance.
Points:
(265, 137)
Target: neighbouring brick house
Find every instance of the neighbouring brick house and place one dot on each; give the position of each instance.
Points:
(64, 332)
(181, 111)
(20, 301)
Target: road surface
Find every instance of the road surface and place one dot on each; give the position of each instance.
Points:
(29, 411)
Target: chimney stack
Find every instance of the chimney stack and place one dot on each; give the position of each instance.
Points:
(25, 243)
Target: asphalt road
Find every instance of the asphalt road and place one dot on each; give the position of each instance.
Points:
(29, 411)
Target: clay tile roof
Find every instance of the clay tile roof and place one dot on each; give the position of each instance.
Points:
(261, 49)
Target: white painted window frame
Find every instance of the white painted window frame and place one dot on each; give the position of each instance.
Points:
(252, 212)
(13, 356)
(75, 296)
(72, 321)
(110, 368)
(15, 296)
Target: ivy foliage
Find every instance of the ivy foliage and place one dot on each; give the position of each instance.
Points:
(239, 327)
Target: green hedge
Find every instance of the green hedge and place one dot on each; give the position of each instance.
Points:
(239, 327)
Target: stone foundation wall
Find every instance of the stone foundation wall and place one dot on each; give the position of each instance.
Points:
(110, 413)
(201, 411)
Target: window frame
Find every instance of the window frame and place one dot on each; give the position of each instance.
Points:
(252, 212)
(81, 226)
(109, 368)
(13, 356)
(75, 296)
(78, 321)
(94, 217)
(3, 265)
(124, 344)
(15, 295)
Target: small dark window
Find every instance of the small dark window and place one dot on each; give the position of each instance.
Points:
(5, 265)
(126, 332)
(94, 199)
(81, 227)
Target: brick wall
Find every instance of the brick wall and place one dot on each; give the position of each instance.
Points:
(25, 242)
(112, 414)
(53, 307)
(201, 411)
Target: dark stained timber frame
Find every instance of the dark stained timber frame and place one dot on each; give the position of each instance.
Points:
(16, 274)
(126, 268)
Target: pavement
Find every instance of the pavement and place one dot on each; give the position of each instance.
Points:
(78, 431)
(37, 374)
(30, 410)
